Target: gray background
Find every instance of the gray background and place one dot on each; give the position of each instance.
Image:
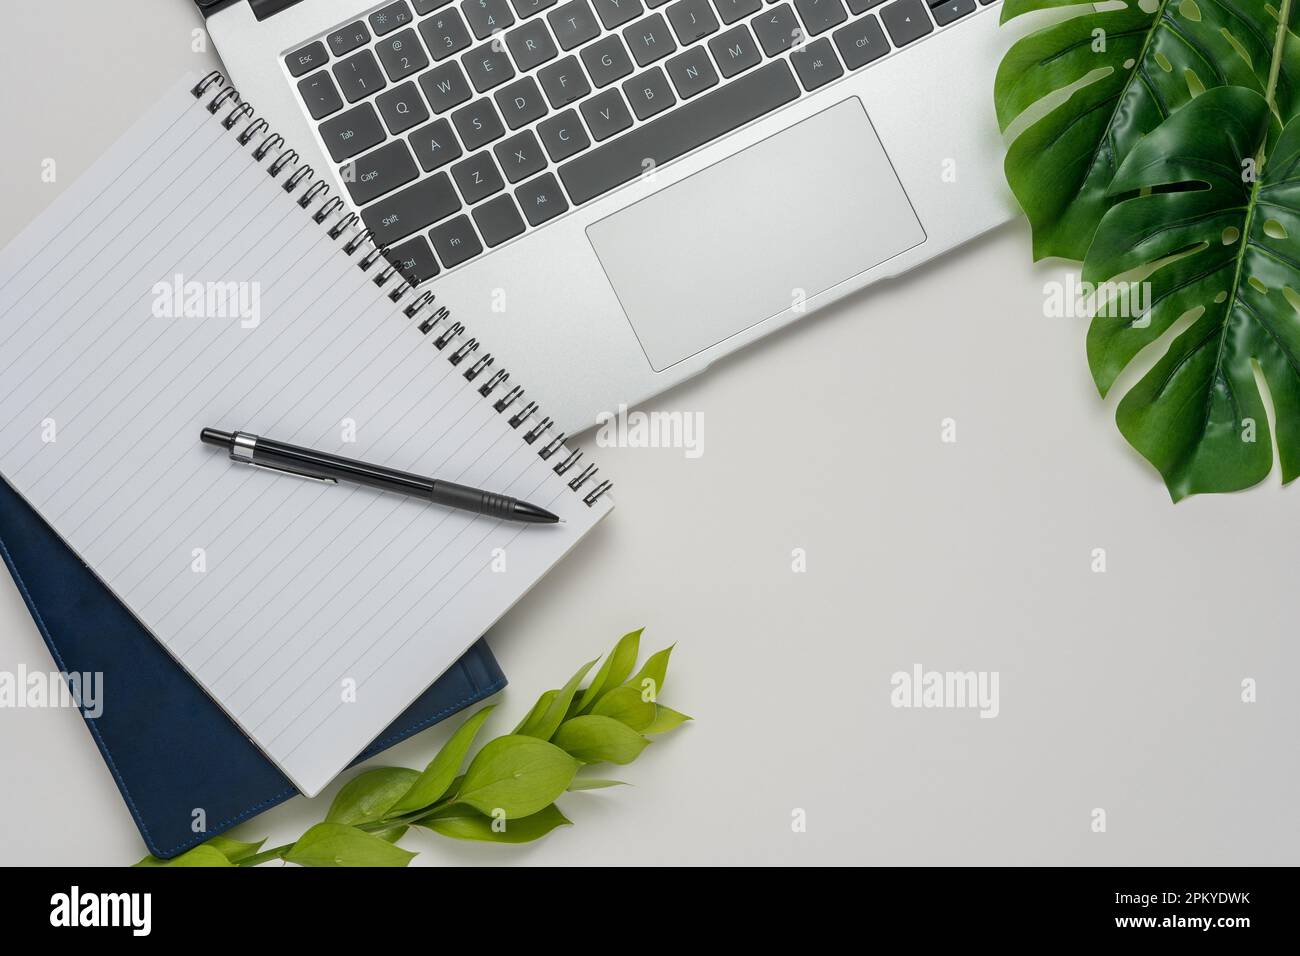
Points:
(1118, 690)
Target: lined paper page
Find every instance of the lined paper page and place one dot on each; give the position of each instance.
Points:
(313, 613)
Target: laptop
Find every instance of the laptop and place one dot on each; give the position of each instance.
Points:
(628, 190)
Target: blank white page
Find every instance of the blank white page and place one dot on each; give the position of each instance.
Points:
(313, 613)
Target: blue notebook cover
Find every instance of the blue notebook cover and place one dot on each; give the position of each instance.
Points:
(170, 748)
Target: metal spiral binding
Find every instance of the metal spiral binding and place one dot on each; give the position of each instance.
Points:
(424, 306)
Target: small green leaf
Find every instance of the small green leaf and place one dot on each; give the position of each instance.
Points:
(469, 825)
(625, 704)
(544, 726)
(594, 783)
(234, 850)
(437, 777)
(654, 670)
(593, 739)
(613, 672)
(665, 720)
(516, 774)
(334, 844)
(392, 835)
(535, 714)
(370, 795)
(201, 855)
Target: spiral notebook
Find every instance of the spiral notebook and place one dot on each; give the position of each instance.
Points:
(198, 275)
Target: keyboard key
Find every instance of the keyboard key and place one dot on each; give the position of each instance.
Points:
(415, 207)
(445, 86)
(402, 108)
(359, 76)
(776, 29)
(521, 102)
(498, 220)
(414, 260)
(649, 39)
(861, 42)
(649, 93)
(692, 20)
(486, 17)
(352, 132)
(488, 66)
(348, 38)
(615, 13)
(735, 50)
(563, 136)
(526, 8)
(444, 33)
(607, 61)
(541, 199)
(477, 177)
(906, 20)
(563, 82)
(606, 114)
(374, 174)
(654, 4)
(692, 72)
(816, 64)
(456, 241)
(401, 55)
(679, 131)
(733, 10)
(478, 123)
(531, 45)
(520, 156)
(320, 94)
(821, 15)
(949, 10)
(390, 18)
(862, 6)
(435, 145)
(307, 59)
(573, 23)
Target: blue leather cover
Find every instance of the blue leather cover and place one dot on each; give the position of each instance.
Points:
(170, 748)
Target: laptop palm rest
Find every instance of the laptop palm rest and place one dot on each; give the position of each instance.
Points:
(756, 233)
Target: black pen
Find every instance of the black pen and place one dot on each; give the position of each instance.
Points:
(322, 466)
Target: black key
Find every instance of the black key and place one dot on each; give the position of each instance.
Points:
(435, 145)
(606, 60)
(541, 199)
(307, 59)
(352, 132)
(821, 15)
(359, 76)
(498, 220)
(520, 156)
(521, 102)
(402, 108)
(563, 82)
(563, 135)
(445, 86)
(488, 66)
(906, 20)
(320, 94)
(816, 64)
(733, 10)
(862, 6)
(428, 6)
(374, 174)
(776, 29)
(654, 4)
(531, 45)
(414, 260)
(390, 18)
(692, 72)
(679, 131)
(348, 38)
(444, 33)
(692, 20)
(397, 216)
(861, 42)
(401, 55)
(606, 114)
(478, 123)
(526, 8)
(615, 13)
(477, 177)
(573, 23)
(649, 93)
(486, 17)
(456, 241)
(949, 10)
(649, 39)
(735, 50)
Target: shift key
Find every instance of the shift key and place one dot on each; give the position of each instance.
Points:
(411, 210)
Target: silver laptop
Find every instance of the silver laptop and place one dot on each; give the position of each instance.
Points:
(620, 192)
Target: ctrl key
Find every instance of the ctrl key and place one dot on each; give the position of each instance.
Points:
(410, 210)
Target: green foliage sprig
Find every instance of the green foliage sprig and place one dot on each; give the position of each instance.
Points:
(507, 793)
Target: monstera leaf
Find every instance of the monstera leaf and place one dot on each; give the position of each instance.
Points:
(1117, 74)
(1216, 232)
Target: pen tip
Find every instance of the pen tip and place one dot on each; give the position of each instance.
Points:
(532, 513)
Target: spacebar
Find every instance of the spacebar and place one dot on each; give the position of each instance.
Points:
(680, 131)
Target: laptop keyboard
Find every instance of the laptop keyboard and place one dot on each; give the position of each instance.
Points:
(461, 124)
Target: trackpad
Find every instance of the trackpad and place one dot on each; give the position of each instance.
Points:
(754, 234)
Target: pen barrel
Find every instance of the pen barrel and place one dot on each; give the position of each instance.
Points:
(488, 503)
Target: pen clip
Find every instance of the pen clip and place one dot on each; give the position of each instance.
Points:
(287, 471)
(243, 446)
